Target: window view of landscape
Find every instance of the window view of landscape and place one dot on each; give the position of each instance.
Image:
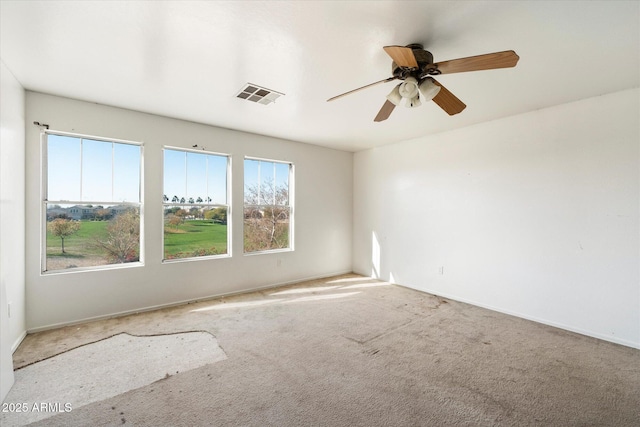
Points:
(267, 209)
(195, 204)
(99, 235)
(92, 202)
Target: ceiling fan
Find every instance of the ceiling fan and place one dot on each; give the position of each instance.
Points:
(415, 66)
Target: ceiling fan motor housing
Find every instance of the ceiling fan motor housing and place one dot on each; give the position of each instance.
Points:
(423, 58)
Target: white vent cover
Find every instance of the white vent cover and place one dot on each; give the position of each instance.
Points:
(261, 95)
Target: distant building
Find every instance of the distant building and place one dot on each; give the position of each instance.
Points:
(78, 212)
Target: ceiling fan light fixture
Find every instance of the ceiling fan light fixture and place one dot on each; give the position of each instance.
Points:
(409, 88)
(429, 89)
(413, 102)
(413, 65)
(394, 96)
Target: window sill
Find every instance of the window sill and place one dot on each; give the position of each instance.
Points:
(91, 269)
(270, 251)
(199, 258)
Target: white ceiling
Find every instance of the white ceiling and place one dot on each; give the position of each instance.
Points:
(188, 60)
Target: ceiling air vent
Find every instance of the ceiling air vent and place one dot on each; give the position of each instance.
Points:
(258, 94)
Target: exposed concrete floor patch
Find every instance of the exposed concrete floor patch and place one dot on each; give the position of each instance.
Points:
(104, 369)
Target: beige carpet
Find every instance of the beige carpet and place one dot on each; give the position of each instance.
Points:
(350, 351)
(103, 369)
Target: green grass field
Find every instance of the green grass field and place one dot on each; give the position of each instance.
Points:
(195, 238)
(79, 248)
(192, 238)
(80, 244)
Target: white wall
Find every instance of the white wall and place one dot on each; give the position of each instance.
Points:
(323, 222)
(12, 209)
(535, 215)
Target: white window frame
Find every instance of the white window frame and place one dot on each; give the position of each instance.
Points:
(290, 205)
(211, 205)
(44, 197)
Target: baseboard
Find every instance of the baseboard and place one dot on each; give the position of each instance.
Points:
(178, 303)
(17, 342)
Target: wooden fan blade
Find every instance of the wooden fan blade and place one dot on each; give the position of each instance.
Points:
(490, 61)
(360, 88)
(385, 111)
(447, 101)
(402, 56)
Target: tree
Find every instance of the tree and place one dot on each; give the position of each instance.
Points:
(174, 220)
(63, 228)
(165, 198)
(266, 218)
(171, 210)
(122, 243)
(175, 199)
(191, 200)
(199, 200)
(182, 200)
(103, 214)
(217, 215)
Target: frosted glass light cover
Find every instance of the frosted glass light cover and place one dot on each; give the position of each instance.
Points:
(394, 96)
(429, 89)
(409, 89)
(413, 102)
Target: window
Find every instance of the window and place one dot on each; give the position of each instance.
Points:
(92, 193)
(195, 204)
(268, 205)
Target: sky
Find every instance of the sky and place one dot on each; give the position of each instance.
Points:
(89, 170)
(206, 175)
(262, 171)
(85, 170)
(192, 175)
